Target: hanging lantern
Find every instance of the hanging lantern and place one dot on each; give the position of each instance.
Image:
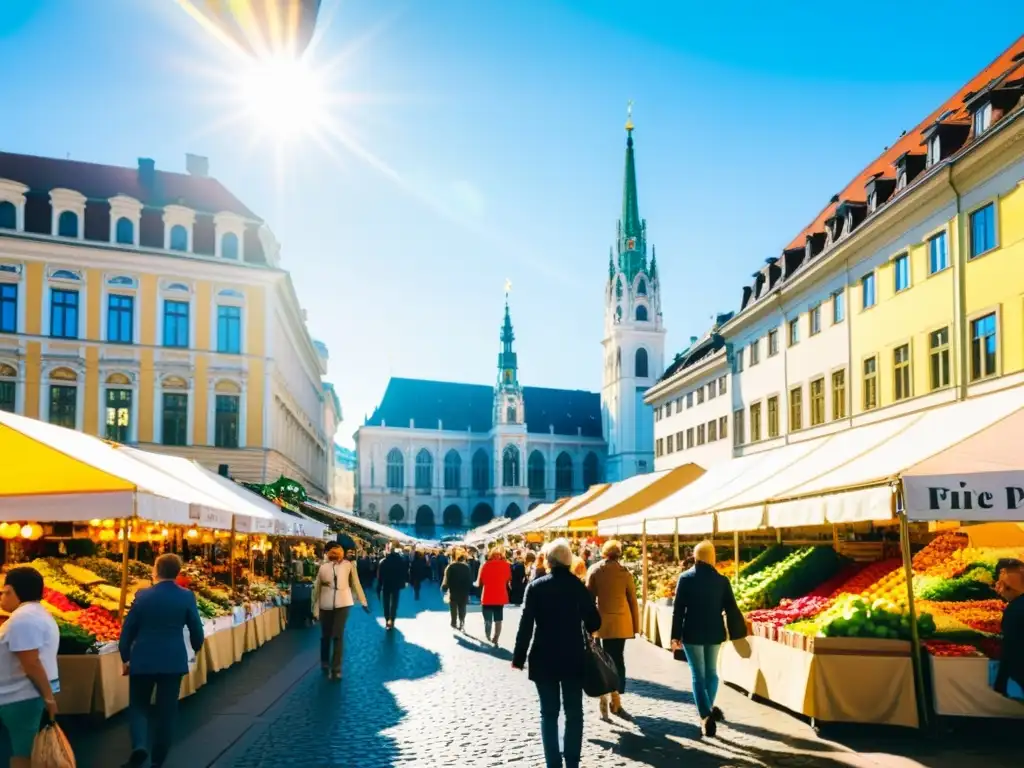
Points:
(8, 531)
(164, 533)
(35, 532)
(108, 524)
(95, 522)
(106, 535)
(26, 531)
(192, 533)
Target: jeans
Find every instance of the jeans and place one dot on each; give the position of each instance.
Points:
(164, 714)
(332, 637)
(457, 607)
(703, 661)
(389, 596)
(571, 701)
(614, 648)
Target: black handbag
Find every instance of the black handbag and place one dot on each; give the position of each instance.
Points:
(599, 674)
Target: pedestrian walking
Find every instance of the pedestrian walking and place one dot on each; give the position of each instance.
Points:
(557, 610)
(28, 662)
(457, 582)
(474, 571)
(1009, 680)
(518, 586)
(366, 571)
(335, 590)
(539, 567)
(419, 571)
(613, 587)
(579, 568)
(494, 579)
(392, 576)
(703, 595)
(442, 562)
(154, 656)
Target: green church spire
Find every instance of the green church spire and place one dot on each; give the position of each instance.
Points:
(632, 246)
(507, 373)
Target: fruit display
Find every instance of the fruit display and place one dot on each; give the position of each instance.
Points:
(790, 577)
(727, 568)
(74, 640)
(101, 623)
(771, 555)
(855, 617)
(945, 648)
(790, 611)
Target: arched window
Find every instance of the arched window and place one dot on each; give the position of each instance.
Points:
(396, 470)
(512, 511)
(229, 246)
(452, 472)
(641, 287)
(591, 470)
(424, 517)
(535, 474)
(482, 513)
(424, 471)
(67, 224)
(452, 516)
(8, 215)
(396, 514)
(124, 231)
(179, 238)
(618, 288)
(510, 466)
(481, 471)
(618, 314)
(563, 475)
(641, 313)
(640, 363)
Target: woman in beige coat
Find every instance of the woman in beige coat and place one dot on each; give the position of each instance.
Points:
(612, 584)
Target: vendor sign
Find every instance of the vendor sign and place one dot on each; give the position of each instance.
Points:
(974, 496)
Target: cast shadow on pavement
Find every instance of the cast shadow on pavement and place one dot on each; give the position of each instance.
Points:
(477, 645)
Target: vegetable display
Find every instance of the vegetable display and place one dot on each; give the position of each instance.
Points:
(788, 578)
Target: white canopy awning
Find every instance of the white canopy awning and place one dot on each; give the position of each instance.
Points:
(523, 522)
(617, 493)
(361, 522)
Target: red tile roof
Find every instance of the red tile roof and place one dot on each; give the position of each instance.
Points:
(1009, 59)
(100, 182)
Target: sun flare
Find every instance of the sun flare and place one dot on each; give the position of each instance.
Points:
(283, 98)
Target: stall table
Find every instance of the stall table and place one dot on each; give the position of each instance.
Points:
(960, 687)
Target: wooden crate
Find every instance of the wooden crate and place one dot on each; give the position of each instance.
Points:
(861, 551)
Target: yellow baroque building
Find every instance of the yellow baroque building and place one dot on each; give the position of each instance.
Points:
(149, 307)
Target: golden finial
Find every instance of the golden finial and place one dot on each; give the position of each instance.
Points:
(629, 115)
(508, 287)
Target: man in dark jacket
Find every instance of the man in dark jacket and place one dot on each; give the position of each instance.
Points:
(1011, 587)
(441, 564)
(703, 595)
(153, 654)
(561, 608)
(393, 575)
(457, 582)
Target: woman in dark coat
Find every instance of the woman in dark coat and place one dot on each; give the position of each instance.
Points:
(557, 610)
(518, 586)
(419, 571)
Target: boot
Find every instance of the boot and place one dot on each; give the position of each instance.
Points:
(604, 707)
(616, 703)
(497, 633)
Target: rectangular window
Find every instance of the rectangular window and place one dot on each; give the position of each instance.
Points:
(700, 434)
(870, 383)
(63, 314)
(659, 447)
(773, 417)
(119, 414)
(838, 307)
(700, 395)
(737, 361)
(229, 330)
(983, 347)
(679, 440)
(796, 409)
(679, 405)
(721, 385)
(689, 438)
(901, 372)
(983, 230)
(938, 358)
(901, 272)
(934, 151)
(64, 406)
(670, 444)
(773, 342)
(712, 431)
(755, 422)
(7, 396)
(794, 331)
(814, 317)
(176, 324)
(867, 291)
(120, 319)
(817, 402)
(755, 352)
(225, 429)
(8, 308)
(982, 119)
(838, 395)
(737, 427)
(723, 427)
(689, 399)
(938, 254)
(712, 390)
(174, 419)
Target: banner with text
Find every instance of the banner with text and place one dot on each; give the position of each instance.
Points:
(983, 496)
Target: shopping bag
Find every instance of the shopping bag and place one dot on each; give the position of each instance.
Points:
(189, 653)
(51, 749)
(447, 598)
(599, 674)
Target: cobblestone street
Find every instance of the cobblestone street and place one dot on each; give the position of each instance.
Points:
(427, 697)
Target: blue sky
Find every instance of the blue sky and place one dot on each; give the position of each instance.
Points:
(496, 132)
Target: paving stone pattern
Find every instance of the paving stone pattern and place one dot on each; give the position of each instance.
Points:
(429, 697)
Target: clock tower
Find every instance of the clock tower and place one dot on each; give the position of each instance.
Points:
(634, 337)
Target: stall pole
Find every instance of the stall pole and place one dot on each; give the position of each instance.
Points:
(736, 557)
(675, 539)
(915, 639)
(643, 555)
(123, 599)
(231, 553)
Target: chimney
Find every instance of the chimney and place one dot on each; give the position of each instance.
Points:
(147, 172)
(222, 470)
(693, 340)
(197, 165)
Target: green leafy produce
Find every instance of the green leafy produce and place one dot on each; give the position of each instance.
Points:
(772, 555)
(73, 639)
(855, 617)
(208, 609)
(795, 575)
(976, 584)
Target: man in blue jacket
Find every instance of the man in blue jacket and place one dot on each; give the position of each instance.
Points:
(153, 653)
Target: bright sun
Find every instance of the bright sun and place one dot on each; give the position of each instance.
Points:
(283, 98)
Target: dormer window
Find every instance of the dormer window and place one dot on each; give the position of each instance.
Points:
(934, 150)
(873, 201)
(901, 178)
(982, 119)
